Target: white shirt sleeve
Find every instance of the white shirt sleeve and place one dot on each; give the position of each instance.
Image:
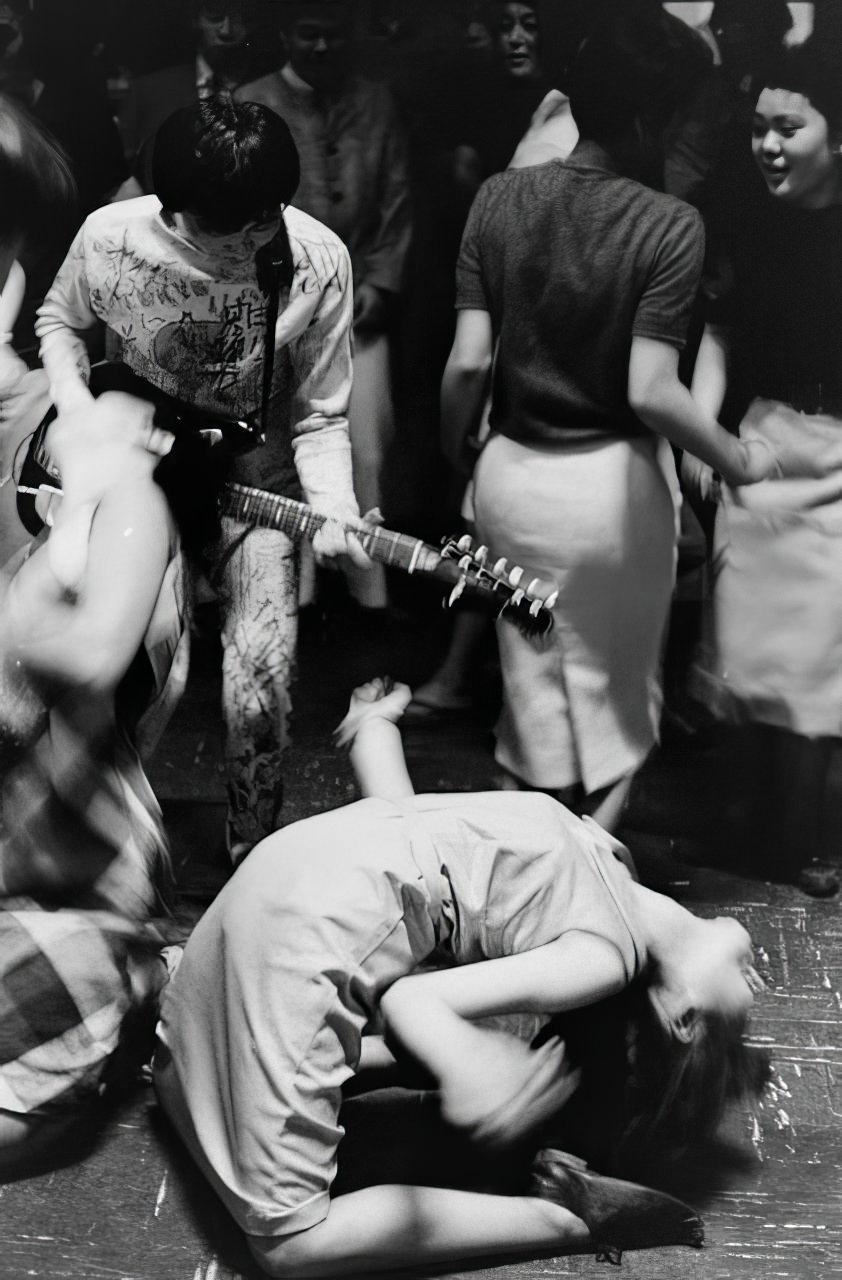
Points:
(322, 371)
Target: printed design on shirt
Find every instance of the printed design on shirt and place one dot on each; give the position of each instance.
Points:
(206, 339)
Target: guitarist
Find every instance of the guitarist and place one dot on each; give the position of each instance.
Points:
(185, 296)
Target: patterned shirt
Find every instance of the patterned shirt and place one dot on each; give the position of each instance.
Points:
(187, 314)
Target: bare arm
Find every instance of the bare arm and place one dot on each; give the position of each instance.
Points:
(88, 639)
(78, 608)
(465, 382)
(491, 1083)
(371, 732)
(665, 405)
(710, 374)
(425, 1011)
(710, 382)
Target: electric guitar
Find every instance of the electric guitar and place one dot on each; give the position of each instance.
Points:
(465, 569)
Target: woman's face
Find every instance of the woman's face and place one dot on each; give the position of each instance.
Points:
(517, 40)
(717, 976)
(794, 150)
(726, 981)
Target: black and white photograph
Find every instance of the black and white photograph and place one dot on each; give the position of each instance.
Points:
(420, 639)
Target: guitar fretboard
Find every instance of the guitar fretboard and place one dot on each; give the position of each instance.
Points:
(297, 520)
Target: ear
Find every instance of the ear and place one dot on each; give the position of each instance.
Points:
(685, 1025)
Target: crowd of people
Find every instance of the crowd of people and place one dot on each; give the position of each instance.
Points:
(246, 273)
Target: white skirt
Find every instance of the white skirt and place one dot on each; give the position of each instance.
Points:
(778, 579)
(600, 520)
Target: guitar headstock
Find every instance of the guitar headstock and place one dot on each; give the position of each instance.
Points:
(528, 605)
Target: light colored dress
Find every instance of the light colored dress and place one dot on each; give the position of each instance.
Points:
(262, 1023)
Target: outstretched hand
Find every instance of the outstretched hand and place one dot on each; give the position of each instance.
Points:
(507, 1089)
(381, 698)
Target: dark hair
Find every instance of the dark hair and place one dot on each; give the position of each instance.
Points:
(809, 69)
(632, 73)
(36, 184)
(229, 163)
(646, 1098)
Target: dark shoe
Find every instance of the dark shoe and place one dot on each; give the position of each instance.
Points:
(819, 880)
(619, 1215)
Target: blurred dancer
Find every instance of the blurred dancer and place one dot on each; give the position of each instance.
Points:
(314, 937)
(92, 635)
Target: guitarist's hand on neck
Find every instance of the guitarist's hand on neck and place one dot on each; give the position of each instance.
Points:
(337, 538)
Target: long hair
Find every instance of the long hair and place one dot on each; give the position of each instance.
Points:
(36, 184)
(647, 1099)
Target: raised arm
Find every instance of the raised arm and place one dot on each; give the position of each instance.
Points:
(370, 731)
(75, 615)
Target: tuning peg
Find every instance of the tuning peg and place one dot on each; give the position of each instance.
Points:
(518, 598)
(532, 589)
(465, 543)
(515, 575)
(550, 602)
(500, 566)
(456, 593)
(481, 555)
(465, 563)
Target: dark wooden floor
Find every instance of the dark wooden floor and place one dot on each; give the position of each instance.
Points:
(136, 1210)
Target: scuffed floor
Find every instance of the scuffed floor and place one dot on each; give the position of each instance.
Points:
(136, 1210)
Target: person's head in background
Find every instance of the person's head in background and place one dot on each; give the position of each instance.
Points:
(225, 167)
(517, 36)
(628, 79)
(318, 36)
(749, 34)
(36, 185)
(797, 128)
(225, 30)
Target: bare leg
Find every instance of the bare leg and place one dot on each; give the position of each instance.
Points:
(385, 1227)
(607, 806)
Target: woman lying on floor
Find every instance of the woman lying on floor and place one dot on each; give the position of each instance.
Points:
(314, 938)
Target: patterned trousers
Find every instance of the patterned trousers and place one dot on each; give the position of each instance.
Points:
(254, 574)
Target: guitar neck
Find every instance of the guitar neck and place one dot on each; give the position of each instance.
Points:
(297, 520)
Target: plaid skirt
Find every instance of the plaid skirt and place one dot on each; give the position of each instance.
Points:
(69, 980)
